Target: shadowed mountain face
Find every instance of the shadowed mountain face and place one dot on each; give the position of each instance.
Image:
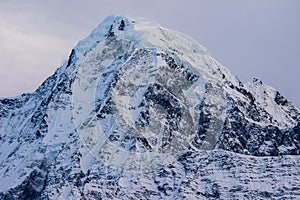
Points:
(142, 112)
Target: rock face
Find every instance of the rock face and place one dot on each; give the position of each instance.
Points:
(143, 112)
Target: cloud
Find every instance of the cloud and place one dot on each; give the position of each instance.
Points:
(29, 51)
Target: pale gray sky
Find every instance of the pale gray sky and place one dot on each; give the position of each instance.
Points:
(257, 38)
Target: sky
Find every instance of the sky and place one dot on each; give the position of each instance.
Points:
(257, 38)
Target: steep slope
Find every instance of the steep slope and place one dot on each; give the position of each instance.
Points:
(139, 111)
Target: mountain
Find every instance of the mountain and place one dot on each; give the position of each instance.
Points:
(143, 112)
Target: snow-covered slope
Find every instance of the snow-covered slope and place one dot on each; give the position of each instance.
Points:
(143, 112)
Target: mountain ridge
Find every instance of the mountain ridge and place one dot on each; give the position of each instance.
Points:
(135, 90)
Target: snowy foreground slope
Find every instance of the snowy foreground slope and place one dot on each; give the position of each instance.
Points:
(143, 112)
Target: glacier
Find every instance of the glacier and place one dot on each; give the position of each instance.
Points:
(139, 111)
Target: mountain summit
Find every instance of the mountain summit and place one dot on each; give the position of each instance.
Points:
(143, 112)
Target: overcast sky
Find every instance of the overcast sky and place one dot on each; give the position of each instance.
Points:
(257, 38)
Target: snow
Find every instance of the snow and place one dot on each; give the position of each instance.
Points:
(265, 96)
(86, 153)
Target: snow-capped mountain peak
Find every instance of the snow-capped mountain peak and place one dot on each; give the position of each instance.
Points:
(143, 112)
